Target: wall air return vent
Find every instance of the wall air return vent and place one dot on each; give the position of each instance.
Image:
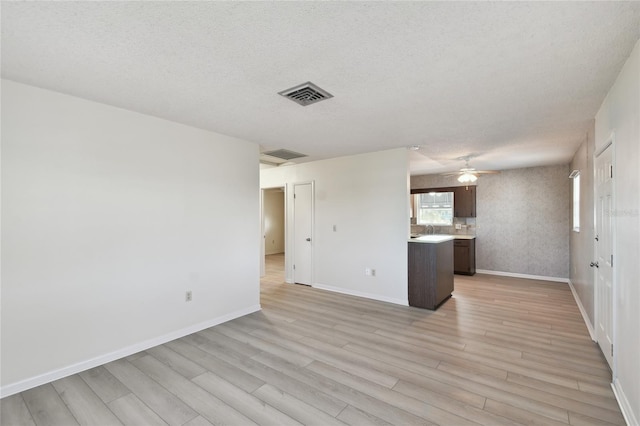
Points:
(306, 94)
(284, 154)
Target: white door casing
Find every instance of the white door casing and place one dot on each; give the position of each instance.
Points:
(262, 247)
(303, 233)
(263, 224)
(603, 265)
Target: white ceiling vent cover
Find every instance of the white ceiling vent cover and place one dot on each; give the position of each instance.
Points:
(284, 154)
(306, 94)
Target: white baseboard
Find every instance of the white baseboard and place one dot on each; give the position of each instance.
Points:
(51, 376)
(585, 317)
(527, 276)
(623, 402)
(362, 294)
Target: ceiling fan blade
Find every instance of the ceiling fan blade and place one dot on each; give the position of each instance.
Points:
(472, 172)
(467, 169)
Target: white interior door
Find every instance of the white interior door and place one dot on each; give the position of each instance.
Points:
(303, 233)
(604, 252)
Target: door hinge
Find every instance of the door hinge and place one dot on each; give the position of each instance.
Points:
(611, 171)
(612, 350)
(294, 267)
(294, 196)
(611, 260)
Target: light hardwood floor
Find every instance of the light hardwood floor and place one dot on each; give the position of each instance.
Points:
(501, 351)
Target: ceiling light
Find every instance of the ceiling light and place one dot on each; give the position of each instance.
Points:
(467, 178)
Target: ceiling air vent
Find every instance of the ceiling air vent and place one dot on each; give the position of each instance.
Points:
(306, 94)
(284, 154)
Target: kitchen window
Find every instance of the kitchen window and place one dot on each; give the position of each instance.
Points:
(434, 208)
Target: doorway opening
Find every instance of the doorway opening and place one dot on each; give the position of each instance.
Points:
(287, 231)
(273, 232)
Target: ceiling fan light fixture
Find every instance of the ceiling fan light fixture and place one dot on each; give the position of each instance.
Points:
(467, 178)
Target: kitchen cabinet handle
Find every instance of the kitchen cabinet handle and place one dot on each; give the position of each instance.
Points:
(592, 264)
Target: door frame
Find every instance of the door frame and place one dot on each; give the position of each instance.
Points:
(290, 225)
(609, 144)
(262, 244)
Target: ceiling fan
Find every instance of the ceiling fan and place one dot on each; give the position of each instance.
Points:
(468, 174)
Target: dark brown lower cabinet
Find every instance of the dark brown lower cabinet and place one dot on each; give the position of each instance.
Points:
(464, 257)
(430, 273)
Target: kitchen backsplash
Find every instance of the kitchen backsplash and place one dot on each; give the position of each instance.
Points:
(467, 227)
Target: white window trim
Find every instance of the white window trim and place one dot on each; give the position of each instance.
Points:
(575, 196)
(417, 208)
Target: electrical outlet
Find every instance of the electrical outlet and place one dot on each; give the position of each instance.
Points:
(188, 296)
(458, 226)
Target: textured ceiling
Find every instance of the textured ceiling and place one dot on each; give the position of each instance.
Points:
(513, 83)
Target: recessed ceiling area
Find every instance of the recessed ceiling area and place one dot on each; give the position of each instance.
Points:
(513, 84)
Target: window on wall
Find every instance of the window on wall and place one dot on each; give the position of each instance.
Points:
(576, 201)
(434, 208)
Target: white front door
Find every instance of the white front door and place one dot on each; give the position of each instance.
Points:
(604, 252)
(303, 233)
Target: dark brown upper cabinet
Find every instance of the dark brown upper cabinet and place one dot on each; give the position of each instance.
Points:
(464, 201)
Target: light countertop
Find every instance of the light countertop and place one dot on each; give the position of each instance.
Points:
(457, 237)
(431, 239)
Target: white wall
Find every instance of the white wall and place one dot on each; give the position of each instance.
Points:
(620, 113)
(274, 221)
(108, 217)
(581, 243)
(366, 198)
(523, 220)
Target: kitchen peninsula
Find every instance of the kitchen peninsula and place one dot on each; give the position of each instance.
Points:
(430, 270)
